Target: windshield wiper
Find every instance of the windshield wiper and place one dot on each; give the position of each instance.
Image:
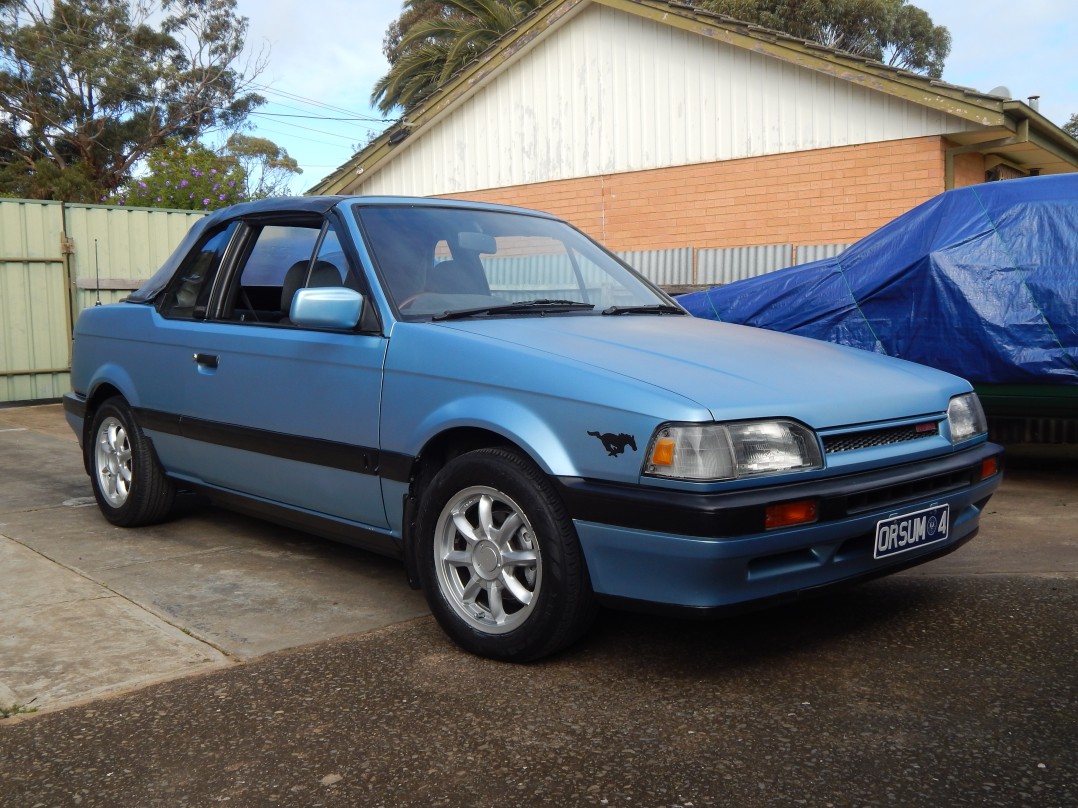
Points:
(523, 306)
(655, 308)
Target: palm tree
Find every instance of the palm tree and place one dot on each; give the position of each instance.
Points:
(440, 43)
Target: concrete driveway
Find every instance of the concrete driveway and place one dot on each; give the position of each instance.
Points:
(955, 684)
(91, 609)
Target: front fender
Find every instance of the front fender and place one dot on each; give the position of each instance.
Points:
(564, 437)
(573, 417)
(509, 419)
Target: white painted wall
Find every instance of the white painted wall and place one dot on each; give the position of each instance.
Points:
(609, 92)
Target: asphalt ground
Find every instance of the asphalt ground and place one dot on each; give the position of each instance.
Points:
(216, 659)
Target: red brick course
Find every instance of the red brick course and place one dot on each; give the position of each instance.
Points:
(825, 196)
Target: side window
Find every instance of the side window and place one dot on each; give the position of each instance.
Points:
(274, 269)
(189, 292)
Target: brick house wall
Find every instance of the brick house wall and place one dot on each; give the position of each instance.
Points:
(968, 170)
(825, 196)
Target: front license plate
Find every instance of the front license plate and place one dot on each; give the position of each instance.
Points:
(911, 530)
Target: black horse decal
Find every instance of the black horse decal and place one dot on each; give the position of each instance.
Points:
(615, 444)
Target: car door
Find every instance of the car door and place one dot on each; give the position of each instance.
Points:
(279, 412)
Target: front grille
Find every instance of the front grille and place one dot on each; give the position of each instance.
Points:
(849, 441)
(926, 487)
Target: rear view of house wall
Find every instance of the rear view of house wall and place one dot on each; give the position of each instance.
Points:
(825, 196)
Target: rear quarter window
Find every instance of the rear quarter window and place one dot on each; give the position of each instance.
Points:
(188, 293)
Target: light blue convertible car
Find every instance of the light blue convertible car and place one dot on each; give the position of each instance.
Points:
(529, 425)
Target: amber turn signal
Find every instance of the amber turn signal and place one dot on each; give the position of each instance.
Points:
(663, 453)
(989, 466)
(785, 514)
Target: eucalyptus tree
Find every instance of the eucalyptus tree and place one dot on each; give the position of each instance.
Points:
(88, 88)
(891, 31)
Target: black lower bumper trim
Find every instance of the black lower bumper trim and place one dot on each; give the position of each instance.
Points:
(741, 513)
(75, 404)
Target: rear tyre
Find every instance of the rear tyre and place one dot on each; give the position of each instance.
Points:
(129, 484)
(499, 559)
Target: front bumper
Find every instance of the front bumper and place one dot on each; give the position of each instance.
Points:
(705, 552)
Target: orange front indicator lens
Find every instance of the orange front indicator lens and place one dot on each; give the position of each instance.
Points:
(663, 453)
(785, 514)
(989, 467)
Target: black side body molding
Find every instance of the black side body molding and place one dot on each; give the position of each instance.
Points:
(317, 451)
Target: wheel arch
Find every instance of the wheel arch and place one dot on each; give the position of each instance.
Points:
(101, 393)
(514, 594)
(436, 453)
(129, 484)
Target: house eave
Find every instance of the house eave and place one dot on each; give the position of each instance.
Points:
(994, 118)
(466, 83)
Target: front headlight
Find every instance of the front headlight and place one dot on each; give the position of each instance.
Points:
(965, 417)
(731, 451)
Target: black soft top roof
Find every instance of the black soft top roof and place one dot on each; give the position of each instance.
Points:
(313, 205)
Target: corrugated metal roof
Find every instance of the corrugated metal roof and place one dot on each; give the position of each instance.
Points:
(722, 266)
(664, 267)
(807, 253)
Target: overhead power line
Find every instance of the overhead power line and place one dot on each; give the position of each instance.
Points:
(315, 117)
(137, 65)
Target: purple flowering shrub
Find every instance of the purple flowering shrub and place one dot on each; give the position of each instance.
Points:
(184, 176)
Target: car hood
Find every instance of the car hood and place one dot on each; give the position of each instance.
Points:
(734, 371)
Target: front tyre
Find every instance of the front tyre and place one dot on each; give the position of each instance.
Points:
(500, 562)
(130, 487)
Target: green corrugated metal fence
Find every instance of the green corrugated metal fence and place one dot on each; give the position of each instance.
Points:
(56, 259)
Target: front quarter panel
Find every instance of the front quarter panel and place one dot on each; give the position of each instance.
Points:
(572, 419)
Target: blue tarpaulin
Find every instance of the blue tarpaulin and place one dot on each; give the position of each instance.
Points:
(980, 281)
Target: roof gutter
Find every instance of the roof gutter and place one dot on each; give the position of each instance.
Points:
(1044, 129)
(1029, 127)
(1021, 135)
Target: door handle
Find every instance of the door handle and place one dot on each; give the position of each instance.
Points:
(206, 360)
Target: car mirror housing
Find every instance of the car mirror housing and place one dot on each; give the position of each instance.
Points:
(331, 307)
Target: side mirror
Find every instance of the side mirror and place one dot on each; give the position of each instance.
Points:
(327, 307)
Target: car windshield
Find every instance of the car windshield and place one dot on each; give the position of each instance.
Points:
(438, 261)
